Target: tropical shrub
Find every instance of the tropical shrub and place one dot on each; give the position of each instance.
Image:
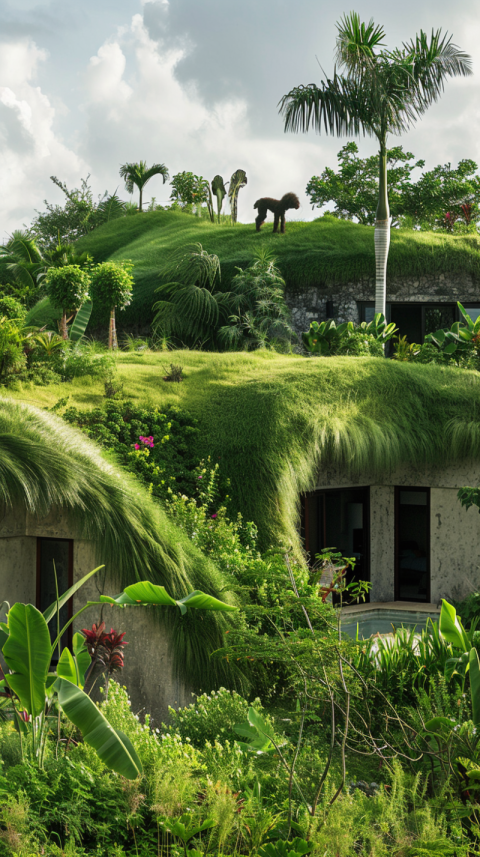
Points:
(212, 716)
(327, 338)
(12, 309)
(259, 315)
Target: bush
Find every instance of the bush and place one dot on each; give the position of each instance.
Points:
(166, 466)
(211, 717)
(11, 308)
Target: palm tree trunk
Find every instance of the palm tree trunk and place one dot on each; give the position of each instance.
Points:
(112, 331)
(382, 235)
(141, 198)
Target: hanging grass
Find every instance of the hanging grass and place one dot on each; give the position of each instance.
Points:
(45, 463)
(274, 422)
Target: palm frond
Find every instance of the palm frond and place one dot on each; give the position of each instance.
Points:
(342, 106)
(356, 42)
(433, 60)
(110, 208)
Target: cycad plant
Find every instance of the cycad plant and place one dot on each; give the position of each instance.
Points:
(382, 92)
(137, 175)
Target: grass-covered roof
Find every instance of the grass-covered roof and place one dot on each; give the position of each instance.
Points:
(323, 251)
(45, 463)
(274, 421)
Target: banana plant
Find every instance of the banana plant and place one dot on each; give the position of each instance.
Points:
(325, 337)
(34, 691)
(378, 327)
(219, 190)
(461, 338)
(238, 180)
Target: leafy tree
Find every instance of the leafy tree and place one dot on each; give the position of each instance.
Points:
(67, 288)
(189, 189)
(444, 196)
(191, 307)
(137, 175)
(260, 316)
(79, 215)
(354, 188)
(112, 285)
(382, 92)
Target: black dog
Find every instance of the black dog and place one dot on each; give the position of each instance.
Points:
(278, 206)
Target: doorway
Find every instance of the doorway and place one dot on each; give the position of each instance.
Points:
(412, 544)
(338, 518)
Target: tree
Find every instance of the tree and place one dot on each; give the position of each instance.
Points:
(354, 187)
(79, 215)
(443, 196)
(382, 92)
(238, 180)
(112, 288)
(67, 288)
(137, 175)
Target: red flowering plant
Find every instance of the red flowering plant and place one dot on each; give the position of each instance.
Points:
(105, 649)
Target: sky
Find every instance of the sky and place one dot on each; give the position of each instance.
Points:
(195, 85)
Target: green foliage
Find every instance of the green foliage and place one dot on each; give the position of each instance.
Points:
(354, 188)
(12, 341)
(67, 287)
(260, 317)
(212, 716)
(12, 309)
(79, 216)
(169, 466)
(112, 284)
(237, 181)
(188, 189)
(327, 338)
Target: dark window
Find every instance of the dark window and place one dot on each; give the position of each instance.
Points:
(56, 553)
(339, 519)
(473, 312)
(415, 320)
(412, 544)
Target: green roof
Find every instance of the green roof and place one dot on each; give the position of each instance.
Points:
(325, 251)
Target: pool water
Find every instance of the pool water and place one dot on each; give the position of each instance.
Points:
(379, 621)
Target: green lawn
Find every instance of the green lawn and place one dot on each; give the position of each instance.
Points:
(322, 251)
(273, 420)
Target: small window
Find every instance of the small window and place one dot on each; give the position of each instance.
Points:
(54, 556)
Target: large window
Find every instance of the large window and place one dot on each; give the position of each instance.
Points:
(412, 544)
(54, 556)
(339, 519)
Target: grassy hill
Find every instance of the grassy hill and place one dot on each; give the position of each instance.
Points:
(323, 251)
(273, 421)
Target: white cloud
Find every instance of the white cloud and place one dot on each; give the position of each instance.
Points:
(31, 150)
(163, 120)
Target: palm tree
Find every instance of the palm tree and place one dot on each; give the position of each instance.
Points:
(383, 92)
(138, 175)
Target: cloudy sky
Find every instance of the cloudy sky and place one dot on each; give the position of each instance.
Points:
(194, 84)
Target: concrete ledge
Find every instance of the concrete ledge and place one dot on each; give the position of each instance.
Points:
(383, 617)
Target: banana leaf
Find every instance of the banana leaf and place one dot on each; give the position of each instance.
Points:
(27, 653)
(51, 611)
(78, 327)
(475, 685)
(73, 667)
(113, 747)
(146, 593)
(452, 628)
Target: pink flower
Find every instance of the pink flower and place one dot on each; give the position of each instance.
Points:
(137, 446)
(214, 515)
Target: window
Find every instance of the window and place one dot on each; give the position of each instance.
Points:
(473, 312)
(416, 320)
(412, 544)
(54, 555)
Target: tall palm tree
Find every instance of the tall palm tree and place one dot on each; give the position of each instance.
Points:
(139, 174)
(382, 92)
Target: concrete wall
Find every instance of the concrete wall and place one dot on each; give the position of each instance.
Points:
(148, 673)
(309, 304)
(454, 532)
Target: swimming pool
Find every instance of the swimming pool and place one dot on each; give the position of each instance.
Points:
(381, 618)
